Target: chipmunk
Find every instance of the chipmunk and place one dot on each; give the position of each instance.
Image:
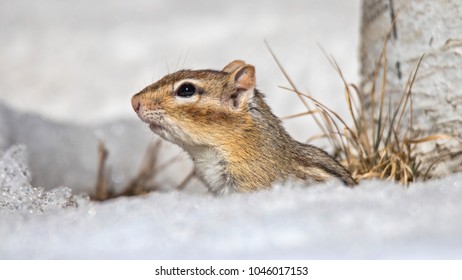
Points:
(223, 122)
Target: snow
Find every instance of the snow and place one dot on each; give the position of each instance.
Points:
(329, 221)
(67, 154)
(68, 72)
(17, 194)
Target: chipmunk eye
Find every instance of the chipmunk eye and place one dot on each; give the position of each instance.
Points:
(186, 90)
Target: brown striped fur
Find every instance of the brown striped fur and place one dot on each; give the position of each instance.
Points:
(235, 141)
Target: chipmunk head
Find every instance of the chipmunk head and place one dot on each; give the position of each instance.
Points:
(201, 107)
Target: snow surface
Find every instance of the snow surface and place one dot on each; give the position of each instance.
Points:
(375, 220)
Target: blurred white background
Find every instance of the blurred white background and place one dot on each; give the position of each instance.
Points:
(81, 61)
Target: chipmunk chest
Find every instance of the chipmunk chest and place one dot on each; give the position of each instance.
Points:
(212, 168)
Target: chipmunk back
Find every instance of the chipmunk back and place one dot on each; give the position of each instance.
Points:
(223, 122)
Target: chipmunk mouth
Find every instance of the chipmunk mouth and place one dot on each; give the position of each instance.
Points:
(155, 127)
(153, 119)
(162, 131)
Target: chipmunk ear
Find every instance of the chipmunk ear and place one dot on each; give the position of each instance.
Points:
(243, 81)
(233, 65)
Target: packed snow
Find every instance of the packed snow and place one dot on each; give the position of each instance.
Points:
(374, 220)
(77, 64)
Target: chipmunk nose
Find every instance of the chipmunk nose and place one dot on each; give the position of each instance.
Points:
(136, 104)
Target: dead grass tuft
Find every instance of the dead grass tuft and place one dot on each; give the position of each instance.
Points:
(374, 142)
(143, 182)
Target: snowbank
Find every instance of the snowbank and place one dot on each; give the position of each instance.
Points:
(374, 220)
(67, 154)
(17, 194)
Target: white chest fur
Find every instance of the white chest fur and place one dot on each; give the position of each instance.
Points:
(211, 167)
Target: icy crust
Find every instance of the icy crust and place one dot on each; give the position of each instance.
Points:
(17, 194)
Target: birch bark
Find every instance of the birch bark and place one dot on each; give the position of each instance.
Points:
(421, 26)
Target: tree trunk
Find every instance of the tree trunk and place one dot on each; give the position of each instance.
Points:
(421, 26)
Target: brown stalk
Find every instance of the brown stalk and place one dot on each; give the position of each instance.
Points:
(300, 114)
(101, 185)
(186, 180)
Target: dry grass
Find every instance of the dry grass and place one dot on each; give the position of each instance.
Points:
(374, 142)
(143, 182)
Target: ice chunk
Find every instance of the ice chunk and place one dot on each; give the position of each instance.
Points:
(17, 194)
